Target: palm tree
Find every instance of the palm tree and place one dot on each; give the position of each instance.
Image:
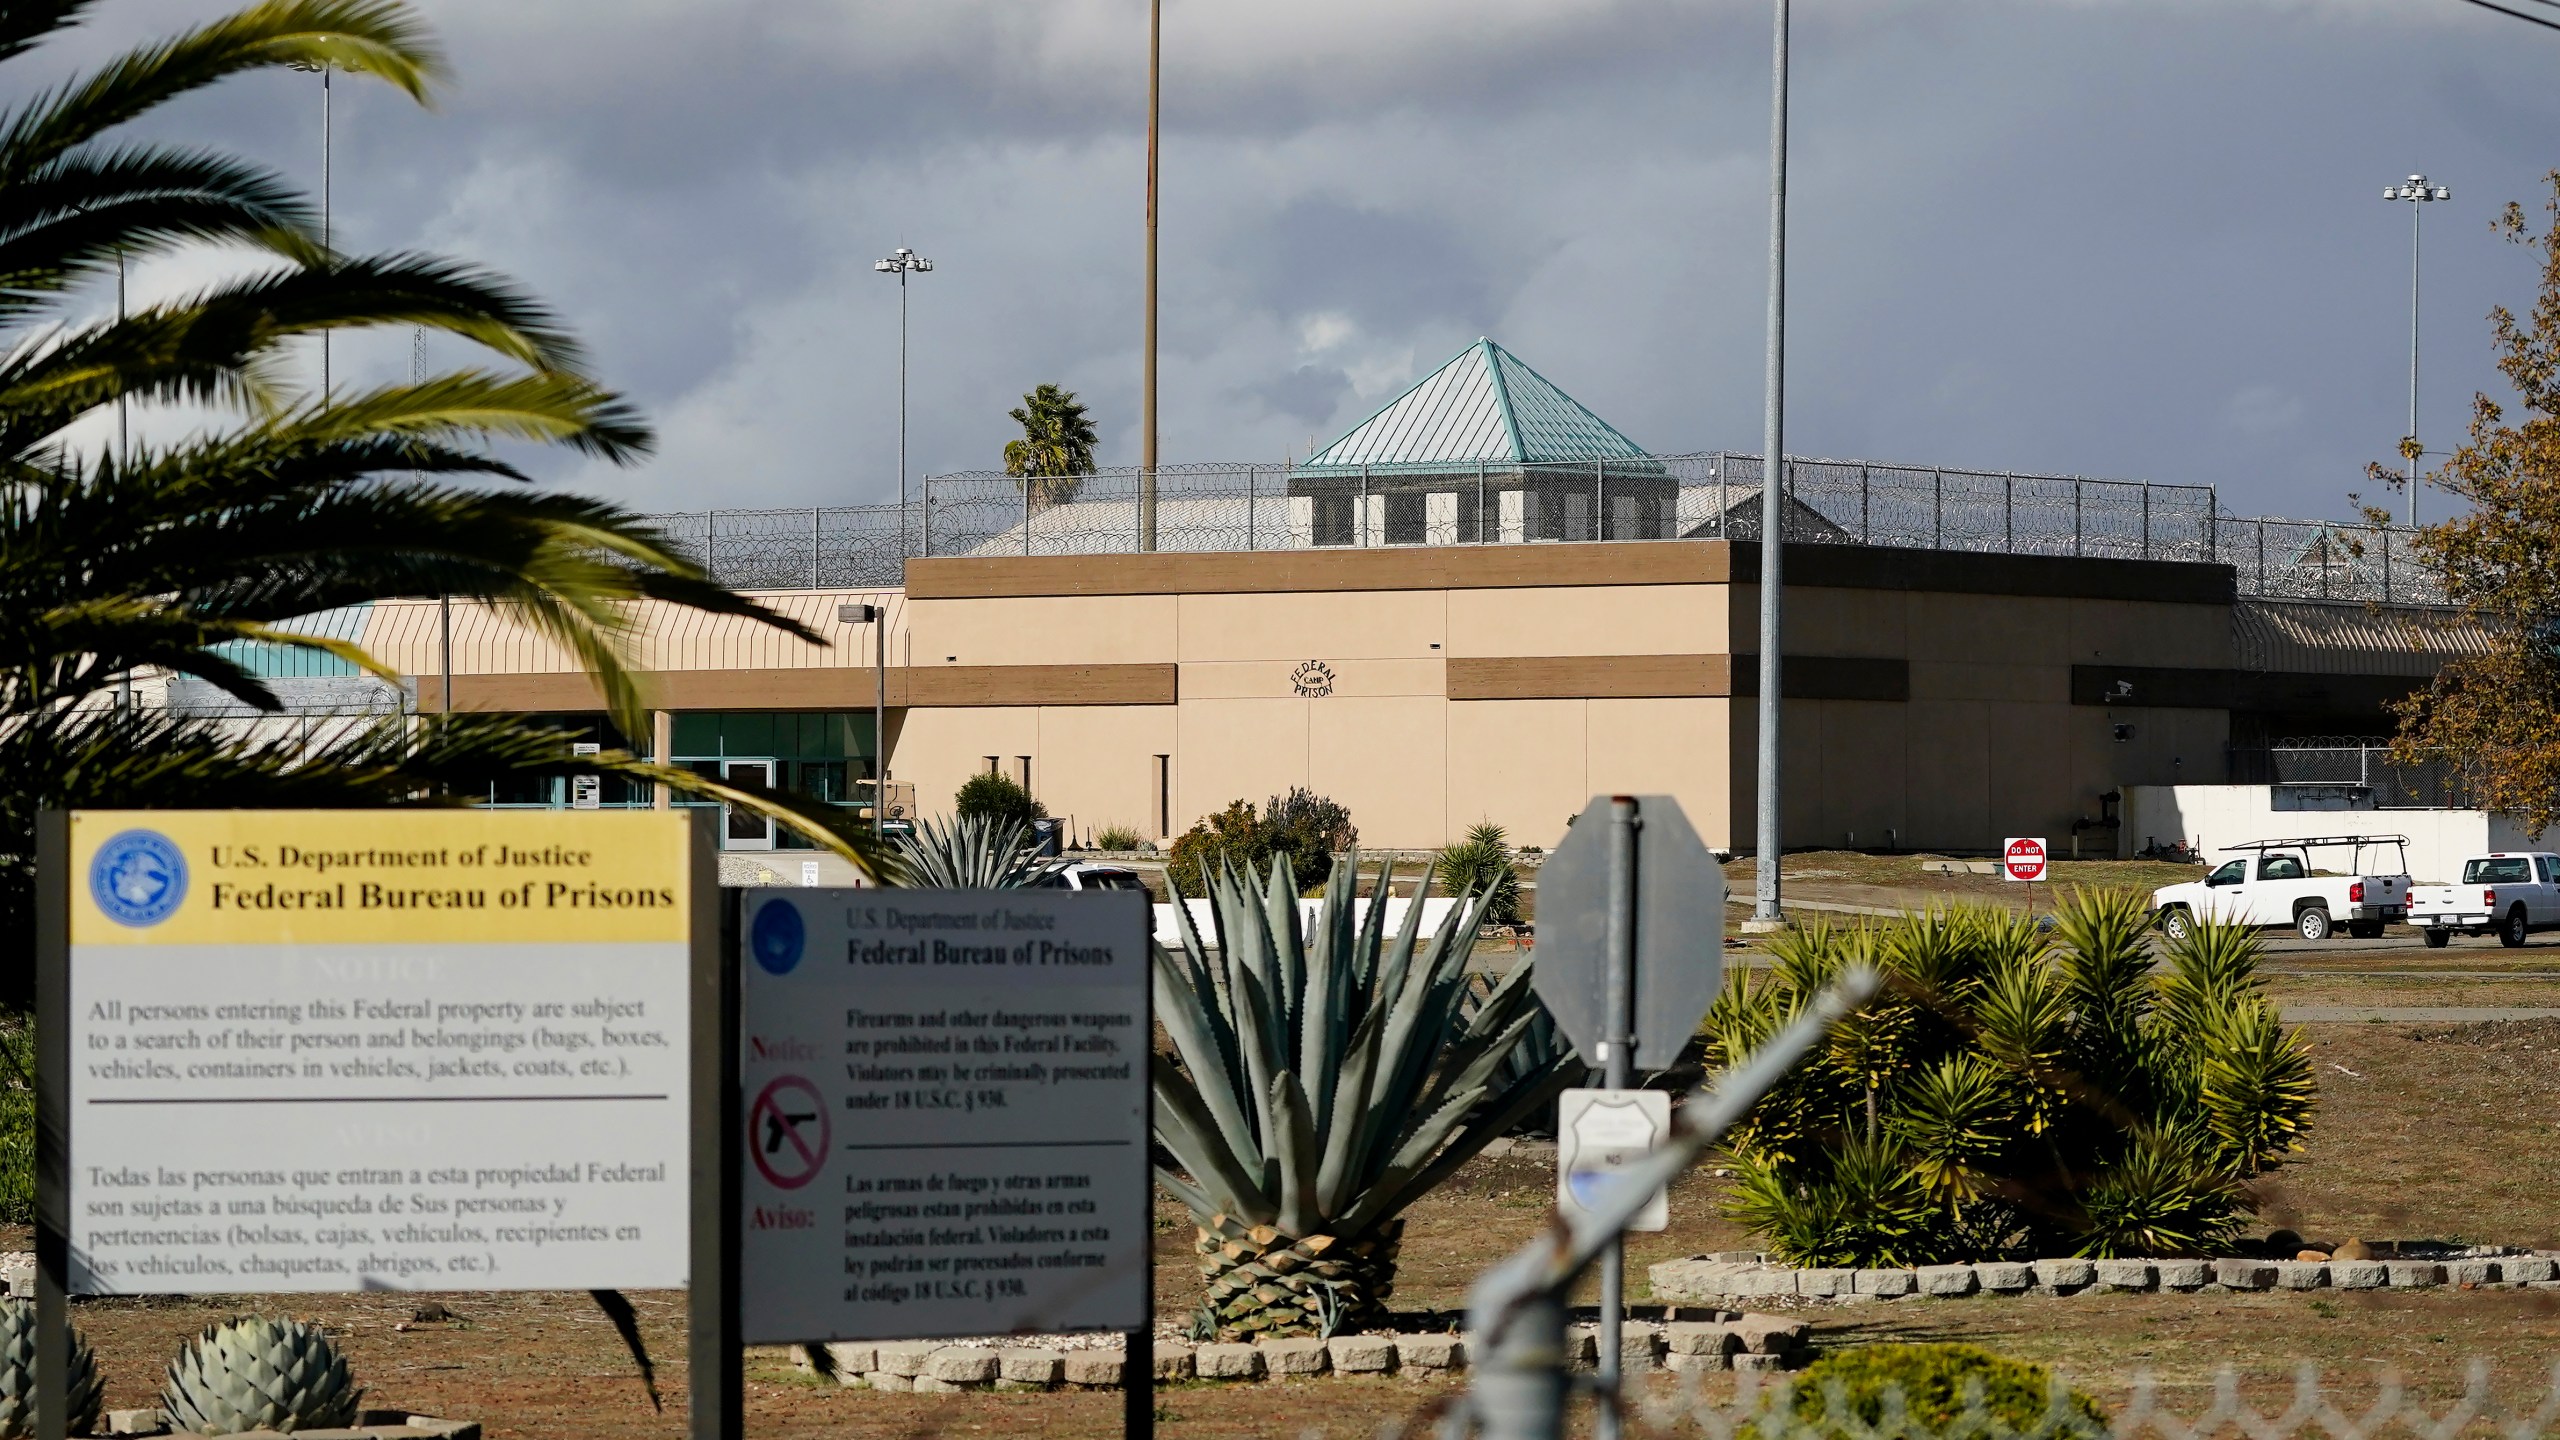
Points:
(1056, 445)
(160, 557)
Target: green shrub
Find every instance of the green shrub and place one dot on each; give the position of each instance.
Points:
(1483, 860)
(996, 797)
(1235, 836)
(1935, 1384)
(1308, 828)
(1116, 837)
(2013, 1093)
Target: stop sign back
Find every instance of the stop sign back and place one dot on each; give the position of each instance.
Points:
(2023, 858)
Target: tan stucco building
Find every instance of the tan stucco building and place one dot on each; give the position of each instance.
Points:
(1934, 699)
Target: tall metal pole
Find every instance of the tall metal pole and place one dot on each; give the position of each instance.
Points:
(2419, 194)
(1624, 822)
(902, 420)
(2410, 446)
(327, 128)
(1766, 911)
(1147, 382)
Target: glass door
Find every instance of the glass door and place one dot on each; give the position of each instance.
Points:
(741, 830)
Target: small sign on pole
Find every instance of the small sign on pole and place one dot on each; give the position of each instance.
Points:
(1602, 1132)
(2023, 858)
(946, 1110)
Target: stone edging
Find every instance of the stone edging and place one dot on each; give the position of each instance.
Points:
(1719, 1277)
(1734, 1342)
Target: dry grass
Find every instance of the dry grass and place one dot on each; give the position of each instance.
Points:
(2438, 1132)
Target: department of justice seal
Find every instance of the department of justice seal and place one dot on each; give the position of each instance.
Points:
(138, 877)
(777, 936)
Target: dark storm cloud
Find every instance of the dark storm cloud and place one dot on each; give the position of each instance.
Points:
(2123, 237)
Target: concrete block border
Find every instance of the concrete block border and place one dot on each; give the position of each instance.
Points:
(1731, 1341)
(1730, 1276)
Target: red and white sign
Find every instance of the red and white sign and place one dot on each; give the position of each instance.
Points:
(2023, 858)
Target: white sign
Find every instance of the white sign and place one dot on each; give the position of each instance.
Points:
(946, 1113)
(2022, 858)
(332, 1050)
(1598, 1134)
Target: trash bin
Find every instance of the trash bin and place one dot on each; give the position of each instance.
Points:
(1048, 837)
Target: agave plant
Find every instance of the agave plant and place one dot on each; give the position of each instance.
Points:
(2015, 1091)
(1325, 1078)
(18, 1374)
(972, 852)
(254, 1373)
(1483, 861)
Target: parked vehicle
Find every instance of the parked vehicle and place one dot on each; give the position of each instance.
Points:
(2511, 894)
(1084, 875)
(2273, 883)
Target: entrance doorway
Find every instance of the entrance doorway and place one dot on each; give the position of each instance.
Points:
(741, 830)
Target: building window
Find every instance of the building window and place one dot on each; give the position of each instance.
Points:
(1334, 514)
(1407, 512)
(1022, 772)
(1164, 795)
(994, 766)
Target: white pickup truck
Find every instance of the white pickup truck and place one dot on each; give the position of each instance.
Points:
(2512, 894)
(2272, 882)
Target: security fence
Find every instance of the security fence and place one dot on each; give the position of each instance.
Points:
(2350, 762)
(1716, 495)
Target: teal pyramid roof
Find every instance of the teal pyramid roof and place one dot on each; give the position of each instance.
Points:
(1483, 406)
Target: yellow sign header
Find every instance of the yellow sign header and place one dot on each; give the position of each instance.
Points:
(232, 877)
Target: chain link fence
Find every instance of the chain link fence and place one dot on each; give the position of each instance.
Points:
(2351, 761)
(1716, 495)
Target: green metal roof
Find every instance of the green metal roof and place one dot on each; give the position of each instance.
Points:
(1485, 405)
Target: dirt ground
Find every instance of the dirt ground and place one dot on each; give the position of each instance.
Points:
(2425, 1132)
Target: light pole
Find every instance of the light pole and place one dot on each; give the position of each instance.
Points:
(903, 262)
(2419, 194)
(326, 127)
(877, 617)
(1766, 912)
(1147, 382)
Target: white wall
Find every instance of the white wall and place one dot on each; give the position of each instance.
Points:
(2212, 816)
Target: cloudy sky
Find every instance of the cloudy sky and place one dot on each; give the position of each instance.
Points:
(2111, 237)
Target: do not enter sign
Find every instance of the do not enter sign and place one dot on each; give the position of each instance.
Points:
(2023, 858)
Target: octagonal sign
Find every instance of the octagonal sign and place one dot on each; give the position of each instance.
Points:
(1679, 949)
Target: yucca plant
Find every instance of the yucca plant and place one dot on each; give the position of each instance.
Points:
(1483, 861)
(1324, 1078)
(2015, 1092)
(253, 1373)
(18, 1374)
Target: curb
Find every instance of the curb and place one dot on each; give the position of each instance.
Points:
(1727, 1276)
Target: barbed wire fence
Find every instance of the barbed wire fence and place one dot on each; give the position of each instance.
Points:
(1714, 495)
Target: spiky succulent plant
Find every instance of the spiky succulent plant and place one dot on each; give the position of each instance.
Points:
(1327, 1078)
(972, 852)
(253, 1373)
(18, 1374)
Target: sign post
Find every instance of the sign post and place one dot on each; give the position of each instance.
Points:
(312, 1051)
(947, 1123)
(2023, 858)
(1630, 950)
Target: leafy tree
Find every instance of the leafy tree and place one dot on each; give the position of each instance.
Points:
(992, 796)
(2494, 717)
(271, 504)
(1056, 445)
(2015, 1094)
